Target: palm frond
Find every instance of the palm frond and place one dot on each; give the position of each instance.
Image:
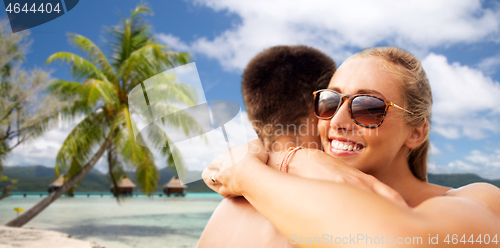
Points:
(176, 164)
(95, 90)
(140, 9)
(79, 146)
(85, 96)
(131, 35)
(134, 154)
(131, 152)
(147, 175)
(73, 94)
(142, 64)
(80, 67)
(147, 62)
(95, 54)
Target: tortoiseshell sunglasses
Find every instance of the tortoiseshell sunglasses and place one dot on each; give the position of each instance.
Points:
(365, 110)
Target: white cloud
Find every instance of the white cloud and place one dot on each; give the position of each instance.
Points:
(446, 131)
(338, 27)
(465, 100)
(434, 149)
(486, 165)
(489, 65)
(174, 42)
(431, 167)
(478, 157)
(449, 147)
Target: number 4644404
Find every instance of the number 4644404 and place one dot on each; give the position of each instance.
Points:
(47, 8)
(479, 239)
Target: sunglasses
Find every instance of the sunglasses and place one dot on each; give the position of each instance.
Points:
(365, 110)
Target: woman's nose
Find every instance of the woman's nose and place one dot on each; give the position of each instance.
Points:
(341, 121)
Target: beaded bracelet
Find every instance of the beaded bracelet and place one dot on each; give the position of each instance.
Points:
(291, 151)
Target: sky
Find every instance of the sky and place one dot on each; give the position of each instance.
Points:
(458, 42)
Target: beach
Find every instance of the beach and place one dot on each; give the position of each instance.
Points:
(12, 237)
(135, 222)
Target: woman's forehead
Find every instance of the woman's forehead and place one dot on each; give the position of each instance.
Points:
(365, 75)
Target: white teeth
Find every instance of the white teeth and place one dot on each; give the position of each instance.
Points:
(347, 146)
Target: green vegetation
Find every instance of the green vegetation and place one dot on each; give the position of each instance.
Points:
(459, 180)
(25, 110)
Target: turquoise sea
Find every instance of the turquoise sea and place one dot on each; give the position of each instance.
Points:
(134, 222)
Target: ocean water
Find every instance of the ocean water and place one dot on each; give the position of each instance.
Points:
(135, 222)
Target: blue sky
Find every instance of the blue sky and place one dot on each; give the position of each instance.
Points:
(458, 42)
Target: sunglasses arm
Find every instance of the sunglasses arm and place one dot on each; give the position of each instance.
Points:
(393, 104)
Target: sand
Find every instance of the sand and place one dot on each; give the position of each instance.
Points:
(33, 238)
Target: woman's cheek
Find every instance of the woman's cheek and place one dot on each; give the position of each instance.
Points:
(323, 128)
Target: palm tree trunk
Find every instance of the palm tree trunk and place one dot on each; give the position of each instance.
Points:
(110, 165)
(35, 210)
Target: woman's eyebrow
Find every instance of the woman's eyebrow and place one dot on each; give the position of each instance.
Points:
(335, 89)
(360, 91)
(365, 91)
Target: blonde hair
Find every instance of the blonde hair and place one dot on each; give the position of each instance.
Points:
(417, 97)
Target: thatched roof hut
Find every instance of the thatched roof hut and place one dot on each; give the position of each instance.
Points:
(174, 186)
(57, 183)
(125, 183)
(125, 186)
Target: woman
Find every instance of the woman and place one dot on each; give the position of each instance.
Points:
(374, 117)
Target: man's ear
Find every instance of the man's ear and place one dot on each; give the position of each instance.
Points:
(416, 136)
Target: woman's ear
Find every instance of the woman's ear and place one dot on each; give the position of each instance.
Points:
(416, 136)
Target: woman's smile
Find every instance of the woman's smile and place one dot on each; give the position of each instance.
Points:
(344, 147)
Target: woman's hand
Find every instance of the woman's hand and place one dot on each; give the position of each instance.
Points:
(316, 164)
(237, 160)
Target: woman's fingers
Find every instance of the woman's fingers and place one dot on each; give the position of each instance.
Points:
(223, 179)
(213, 167)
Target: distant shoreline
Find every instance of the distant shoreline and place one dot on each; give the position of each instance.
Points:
(35, 194)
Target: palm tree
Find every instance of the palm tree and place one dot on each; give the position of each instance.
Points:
(101, 98)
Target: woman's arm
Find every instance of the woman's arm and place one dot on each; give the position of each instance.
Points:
(301, 208)
(308, 163)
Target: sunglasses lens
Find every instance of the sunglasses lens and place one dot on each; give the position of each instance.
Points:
(326, 104)
(368, 110)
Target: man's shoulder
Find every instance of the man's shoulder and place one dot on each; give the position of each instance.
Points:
(485, 194)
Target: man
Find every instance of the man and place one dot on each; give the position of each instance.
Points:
(277, 88)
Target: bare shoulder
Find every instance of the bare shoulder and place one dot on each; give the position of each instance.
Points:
(236, 223)
(474, 208)
(485, 194)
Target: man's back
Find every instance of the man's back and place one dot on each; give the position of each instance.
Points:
(235, 223)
